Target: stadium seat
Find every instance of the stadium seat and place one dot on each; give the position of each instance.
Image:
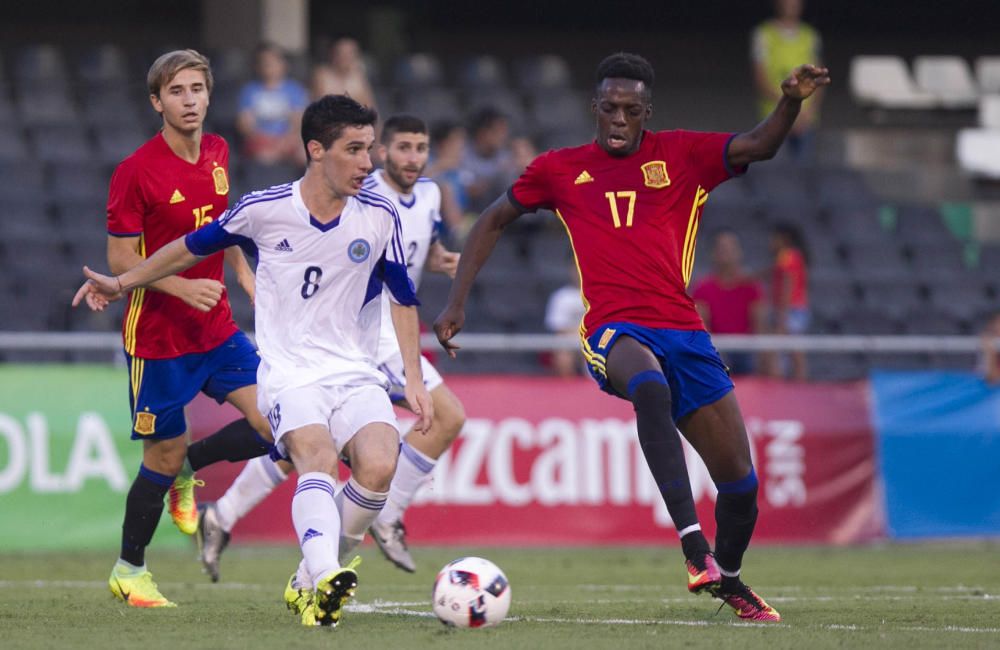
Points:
(988, 74)
(885, 82)
(39, 65)
(114, 107)
(484, 72)
(105, 65)
(948, 78)
(62, 144)
(563, 112)
(870, 321)
(931, 320)
(432, 104)
(84, 182)
(840, 188)
(8, 114)
(418, 71)
(989, 111)
(976, 151)
(944, 255)
(114, 144)
(920, 224)
(544, 72)
(778, 183)
(231, 66)
(875, 256)
(47, 107)
(13, 148)
(21, 179)
(505, 101)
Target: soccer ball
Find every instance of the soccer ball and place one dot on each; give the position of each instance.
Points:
(471, 592)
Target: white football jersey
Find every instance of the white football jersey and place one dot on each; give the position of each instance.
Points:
(319, 286)
(420, 218)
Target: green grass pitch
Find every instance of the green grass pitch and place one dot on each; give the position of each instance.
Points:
(928, 595)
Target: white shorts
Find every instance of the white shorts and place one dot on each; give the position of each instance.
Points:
(393, 369)
(344, 410)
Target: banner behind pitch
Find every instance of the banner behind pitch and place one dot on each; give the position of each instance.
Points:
(550, 461)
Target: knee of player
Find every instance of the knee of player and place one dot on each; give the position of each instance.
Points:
(449, 418)
(375, 473)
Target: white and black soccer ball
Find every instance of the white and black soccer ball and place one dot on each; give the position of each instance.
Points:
(471, 592)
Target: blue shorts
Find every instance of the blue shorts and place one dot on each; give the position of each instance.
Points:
(695, 373)
(159, 389)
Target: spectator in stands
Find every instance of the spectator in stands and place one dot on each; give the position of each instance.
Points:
(563, 314)
(448, 141)
(789, 292)
(780, 44)
(270, 111)
(729, 300)
(487, 157)
(343, 73)
(989, 355)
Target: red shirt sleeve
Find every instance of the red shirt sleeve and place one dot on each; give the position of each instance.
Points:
(707, 155)
(532, 188)
(126, 205)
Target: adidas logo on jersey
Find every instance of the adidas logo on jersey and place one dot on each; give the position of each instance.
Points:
(283, 246)
(176, 197)
(584, 177)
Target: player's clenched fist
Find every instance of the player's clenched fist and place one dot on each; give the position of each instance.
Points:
(201, 293)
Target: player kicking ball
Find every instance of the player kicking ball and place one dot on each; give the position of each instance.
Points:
(405, 147)
(631, 202)
(325, 248)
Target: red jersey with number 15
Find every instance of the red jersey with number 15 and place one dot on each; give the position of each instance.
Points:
(632, 221)
(157, 196)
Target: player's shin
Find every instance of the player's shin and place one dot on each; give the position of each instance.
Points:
(412, 471)
(258, 479)
(358, 507)
(735, 516)
(234, 442)
(317, 523)
(661, 445)
(143, 508)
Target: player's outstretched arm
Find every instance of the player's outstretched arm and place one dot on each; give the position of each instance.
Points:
(123, 254)
(482, 239)
(100, 289)
(763, 141)
(407, 325)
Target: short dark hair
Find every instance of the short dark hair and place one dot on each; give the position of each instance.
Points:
(327, 117)
(402, 124)
(484, 118)
(625, 65)
(793, 235)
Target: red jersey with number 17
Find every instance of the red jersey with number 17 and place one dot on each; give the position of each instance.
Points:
(632, 221)
(157, 196)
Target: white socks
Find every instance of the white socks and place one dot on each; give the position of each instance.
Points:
(358, 508)
(317, 523)
(412, 470)
(257, 480)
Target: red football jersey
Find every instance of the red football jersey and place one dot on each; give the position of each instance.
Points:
(632, 221)
(159, 197)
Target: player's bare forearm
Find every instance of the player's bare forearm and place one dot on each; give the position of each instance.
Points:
(480, 243)
(407, 326)
(763, 141)
(124, 256)
(169, 260)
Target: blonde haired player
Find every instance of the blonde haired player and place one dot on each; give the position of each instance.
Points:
(326, 247)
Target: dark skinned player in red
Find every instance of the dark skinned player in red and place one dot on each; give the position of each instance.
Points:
(631, 202)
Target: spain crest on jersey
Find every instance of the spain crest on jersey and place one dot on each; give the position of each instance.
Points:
(221, 181)
(655, 174)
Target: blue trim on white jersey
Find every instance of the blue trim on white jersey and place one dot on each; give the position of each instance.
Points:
(392, 275)
(247, 201)
(212, 238)
(323, 227)
(413, 201)
(377, 200)
(256, 194)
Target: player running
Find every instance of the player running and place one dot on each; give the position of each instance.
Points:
(178, 332)
(631, 202)
(405, 148)
(326, 247)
